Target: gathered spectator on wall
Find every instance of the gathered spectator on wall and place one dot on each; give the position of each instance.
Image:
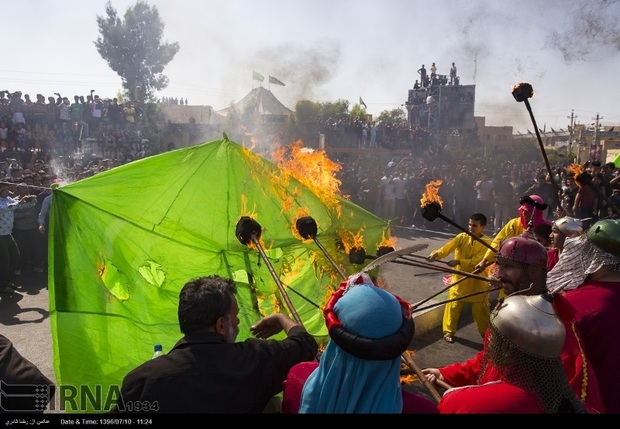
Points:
(79, 125)
(484, 195)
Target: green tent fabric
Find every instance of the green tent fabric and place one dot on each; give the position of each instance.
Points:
(617, 161)
(125, 241)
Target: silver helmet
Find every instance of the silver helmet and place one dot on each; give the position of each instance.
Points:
(525, 341)
(531, 324)
(569, 226)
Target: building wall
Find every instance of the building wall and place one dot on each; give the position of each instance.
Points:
(189, 125)
(181, 114)
(496, 137)
(611, 149)
(452, 107)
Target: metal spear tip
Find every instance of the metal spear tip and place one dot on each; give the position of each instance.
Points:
(522, 91)
(431, 211)
(357, 255)
(306, 227)
(247, 228)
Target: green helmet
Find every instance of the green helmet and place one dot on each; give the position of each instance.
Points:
(605, 234)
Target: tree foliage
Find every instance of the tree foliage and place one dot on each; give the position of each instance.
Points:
(308, 111)
(392, 118)
(358, 112)
(133, 48)
(338, 109)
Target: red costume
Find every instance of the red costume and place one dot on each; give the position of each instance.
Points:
(359, 369)
(495, 397)
(578, 369)
(553, 255)
(294, 384)
(597, 306)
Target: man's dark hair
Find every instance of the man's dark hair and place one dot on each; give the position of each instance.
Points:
(544, 230)
(204, 300)
(480, 218)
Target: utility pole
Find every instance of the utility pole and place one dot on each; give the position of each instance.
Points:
(572, 118)
(580, 146)
(595, 142)
(475, 66)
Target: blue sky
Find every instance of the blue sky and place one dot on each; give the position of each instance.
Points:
(325, 50)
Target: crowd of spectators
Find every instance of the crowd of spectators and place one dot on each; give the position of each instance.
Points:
(41, 143)
(44, 138)
(174, 100)
(372, 185)
(57, 127)
(357, 133)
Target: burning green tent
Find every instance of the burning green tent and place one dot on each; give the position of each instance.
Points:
(125, 241)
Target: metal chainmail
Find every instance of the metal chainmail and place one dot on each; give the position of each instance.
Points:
(534, 274)
(580, 258)
(544, 377)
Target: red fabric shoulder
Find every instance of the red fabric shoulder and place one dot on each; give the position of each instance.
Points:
(563, 308)
(417, 404)
(490, 398)
(294, 384)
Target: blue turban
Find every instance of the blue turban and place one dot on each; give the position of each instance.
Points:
(343, 383)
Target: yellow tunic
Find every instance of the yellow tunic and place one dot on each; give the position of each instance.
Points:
(512, 228)
(469, 253)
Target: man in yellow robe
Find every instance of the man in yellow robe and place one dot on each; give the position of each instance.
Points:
(531, 214)
(468, 252)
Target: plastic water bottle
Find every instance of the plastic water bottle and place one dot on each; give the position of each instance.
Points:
(158, 351)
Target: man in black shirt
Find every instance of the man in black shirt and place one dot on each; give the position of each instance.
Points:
(24, 387)
(207, 371)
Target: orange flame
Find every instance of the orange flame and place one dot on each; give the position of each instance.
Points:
(387, 241)
(576, 169)
(405, 376)
(301, 212)
(247, 141)
(253, 143)
(313, 169)
(408, 379)
(252, 214)
(351, 240)
(244, 209)
(431, 195)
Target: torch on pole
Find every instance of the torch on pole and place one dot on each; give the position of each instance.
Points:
(249, 231)
(522, 92)
(307, 228)
(432, 211)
